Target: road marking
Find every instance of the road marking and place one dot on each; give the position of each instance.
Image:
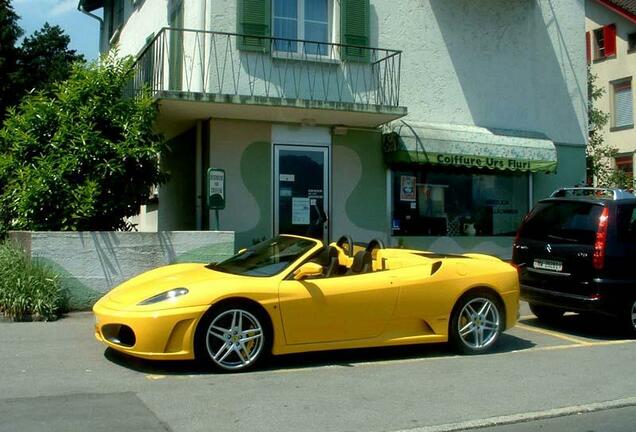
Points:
(447, 357)
(570, 346)
(155, 377)
(526, 417)
(297, 369)
(553, 334)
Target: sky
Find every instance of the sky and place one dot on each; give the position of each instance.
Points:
(83, 30)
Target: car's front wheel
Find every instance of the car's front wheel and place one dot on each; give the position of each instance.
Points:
(476, 323)
(546, 313)
(233, 337)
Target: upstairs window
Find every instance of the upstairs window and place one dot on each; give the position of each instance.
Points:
(623, 112)
(604, 40)
(631, 42)
(307, 27)
(116, 19)
(306, 20)
(625, 164)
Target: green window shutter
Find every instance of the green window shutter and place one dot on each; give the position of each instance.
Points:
(354, 29)
(254, 18)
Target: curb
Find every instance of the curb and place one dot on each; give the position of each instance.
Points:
(526, 417)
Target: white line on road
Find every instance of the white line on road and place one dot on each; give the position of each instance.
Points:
(526, 417)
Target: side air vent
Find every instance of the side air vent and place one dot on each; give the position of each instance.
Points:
(436, 266)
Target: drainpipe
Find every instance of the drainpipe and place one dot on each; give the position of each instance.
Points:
(80, 7)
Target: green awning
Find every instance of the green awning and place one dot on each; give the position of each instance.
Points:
(469, 146)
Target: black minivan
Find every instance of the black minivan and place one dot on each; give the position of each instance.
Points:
(576, 251)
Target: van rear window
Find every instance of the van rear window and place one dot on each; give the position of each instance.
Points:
(563, 222)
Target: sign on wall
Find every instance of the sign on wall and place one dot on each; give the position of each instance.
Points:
(216, 189)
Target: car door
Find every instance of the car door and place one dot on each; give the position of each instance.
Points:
(337, 308)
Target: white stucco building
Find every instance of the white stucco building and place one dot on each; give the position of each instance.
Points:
(433, 123)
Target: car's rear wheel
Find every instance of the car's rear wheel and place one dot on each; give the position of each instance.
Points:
(476, 323)
(629, 318)
(546, 313)
(233, 337)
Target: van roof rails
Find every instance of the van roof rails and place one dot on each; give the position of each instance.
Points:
(592, 192)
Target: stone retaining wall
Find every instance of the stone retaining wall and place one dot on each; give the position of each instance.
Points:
(92, 263)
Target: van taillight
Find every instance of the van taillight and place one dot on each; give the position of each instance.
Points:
(601, 239)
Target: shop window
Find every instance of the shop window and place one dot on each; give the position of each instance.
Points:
(440, 202)
(605, 42)
(623, 111)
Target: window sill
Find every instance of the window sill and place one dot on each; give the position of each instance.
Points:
(296, 56)
(602, 59)
(621, 128)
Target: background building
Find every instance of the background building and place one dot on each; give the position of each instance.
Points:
(442, 137)
(611, 50)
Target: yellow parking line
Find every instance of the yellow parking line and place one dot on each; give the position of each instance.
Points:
(553, 334)
(291, 370)
(569, 346)
(155, 377)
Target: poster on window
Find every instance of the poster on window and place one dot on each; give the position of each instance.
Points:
(300, 211)
(407, 188)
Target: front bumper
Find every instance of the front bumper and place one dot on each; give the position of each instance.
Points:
(158, 335)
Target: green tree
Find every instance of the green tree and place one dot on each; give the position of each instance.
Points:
(10, 32)
(599, 154)
(83, 158)
(44, 59)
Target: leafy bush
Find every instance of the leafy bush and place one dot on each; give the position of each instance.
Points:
(83, 159)
(28, 290)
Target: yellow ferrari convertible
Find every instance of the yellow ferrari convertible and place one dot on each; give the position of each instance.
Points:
(293, 294)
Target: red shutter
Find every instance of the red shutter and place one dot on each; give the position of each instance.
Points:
(609, 36)
(588, 53)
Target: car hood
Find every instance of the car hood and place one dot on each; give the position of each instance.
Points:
(191, 276)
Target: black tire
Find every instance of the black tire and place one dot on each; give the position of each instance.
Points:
(234, 344)
(486, 324)
(628, 318)
(545, 313)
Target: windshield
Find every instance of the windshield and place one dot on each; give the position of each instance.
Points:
(266, 258)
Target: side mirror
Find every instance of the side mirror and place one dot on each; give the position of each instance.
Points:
(306, 270)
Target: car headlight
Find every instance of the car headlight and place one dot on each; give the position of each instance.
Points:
(168, 295)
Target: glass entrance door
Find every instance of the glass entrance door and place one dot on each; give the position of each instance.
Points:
(301, 191)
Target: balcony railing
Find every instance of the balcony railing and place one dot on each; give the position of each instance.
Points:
(181, 61)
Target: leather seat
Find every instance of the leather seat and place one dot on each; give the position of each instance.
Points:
(361, 263)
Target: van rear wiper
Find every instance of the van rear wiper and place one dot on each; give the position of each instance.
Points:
(555, 237)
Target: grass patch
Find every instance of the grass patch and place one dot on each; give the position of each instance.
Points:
(28, 290)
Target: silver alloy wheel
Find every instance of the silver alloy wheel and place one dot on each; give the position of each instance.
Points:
(234, 339)
(478, 323)
(634, 315)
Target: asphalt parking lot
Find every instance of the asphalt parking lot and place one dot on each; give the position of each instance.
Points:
(572, 376)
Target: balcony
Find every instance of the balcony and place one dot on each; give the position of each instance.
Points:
(200, 74)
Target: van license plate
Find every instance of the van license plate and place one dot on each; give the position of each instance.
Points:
(548, 265)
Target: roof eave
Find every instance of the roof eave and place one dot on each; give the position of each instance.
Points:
(90, 5)
(618, 10)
